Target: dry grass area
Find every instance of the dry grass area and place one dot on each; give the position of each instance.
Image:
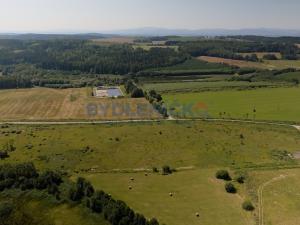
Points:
(238, 63)
(266, 64)
(115, 40)
(260, 55)
(70, 104)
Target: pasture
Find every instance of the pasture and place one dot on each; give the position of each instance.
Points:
(40, 104)
(194, 66)
(122, 147)
(199, 86)
(279, 195)
(194, 191)
(272, 104)
(110, 155)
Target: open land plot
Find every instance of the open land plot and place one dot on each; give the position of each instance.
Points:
(273, 104)
(278, 191)
(260, 55)
(143, 146)
(115, 40)
(283, 64)
(266, 64)
(194, 191)
(110, 155)
(196, 86)
(232, 62)
(195, 66)
(69, 104)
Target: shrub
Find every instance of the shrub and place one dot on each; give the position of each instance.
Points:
(223, 175)
(155, 170)
(3, 155)
(230, 188)
(167, 170)
(6, 208)
(240, 178)
(137, 93)
(153, 221)
(248, 206)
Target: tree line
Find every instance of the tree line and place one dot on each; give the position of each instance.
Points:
(25, 177)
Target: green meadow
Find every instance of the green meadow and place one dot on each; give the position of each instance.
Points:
(272, 104)
(200, 86)
(79, 148)
(115, 157)
(194, 191)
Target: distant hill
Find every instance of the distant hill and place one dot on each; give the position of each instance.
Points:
(32, 36)
(152, 31)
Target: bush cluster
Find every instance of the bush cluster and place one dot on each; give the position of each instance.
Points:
(25, 177)
(230, 188)
(248, 206)
(223, 175)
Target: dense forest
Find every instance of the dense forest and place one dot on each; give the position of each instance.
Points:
(231, 48)
(81, 55)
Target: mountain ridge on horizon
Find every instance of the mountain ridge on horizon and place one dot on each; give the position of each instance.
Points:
(156, 31)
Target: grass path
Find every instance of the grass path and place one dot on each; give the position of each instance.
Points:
(144, 121)
(260, 196)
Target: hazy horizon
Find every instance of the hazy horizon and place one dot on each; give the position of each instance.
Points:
(77, 16)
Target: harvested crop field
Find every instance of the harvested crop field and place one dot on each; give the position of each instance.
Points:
(266, 64)
(115, 40)
(260, 55)
(232, 62)
(69, 104)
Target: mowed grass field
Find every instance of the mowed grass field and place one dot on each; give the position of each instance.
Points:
(266, 64)
(272, 104)
(194, 191)
(194, 66)
(109, 155)
(195, 86)
(68, 104)
(280, 195)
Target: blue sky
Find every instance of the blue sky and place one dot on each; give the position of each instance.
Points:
(105, 15)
